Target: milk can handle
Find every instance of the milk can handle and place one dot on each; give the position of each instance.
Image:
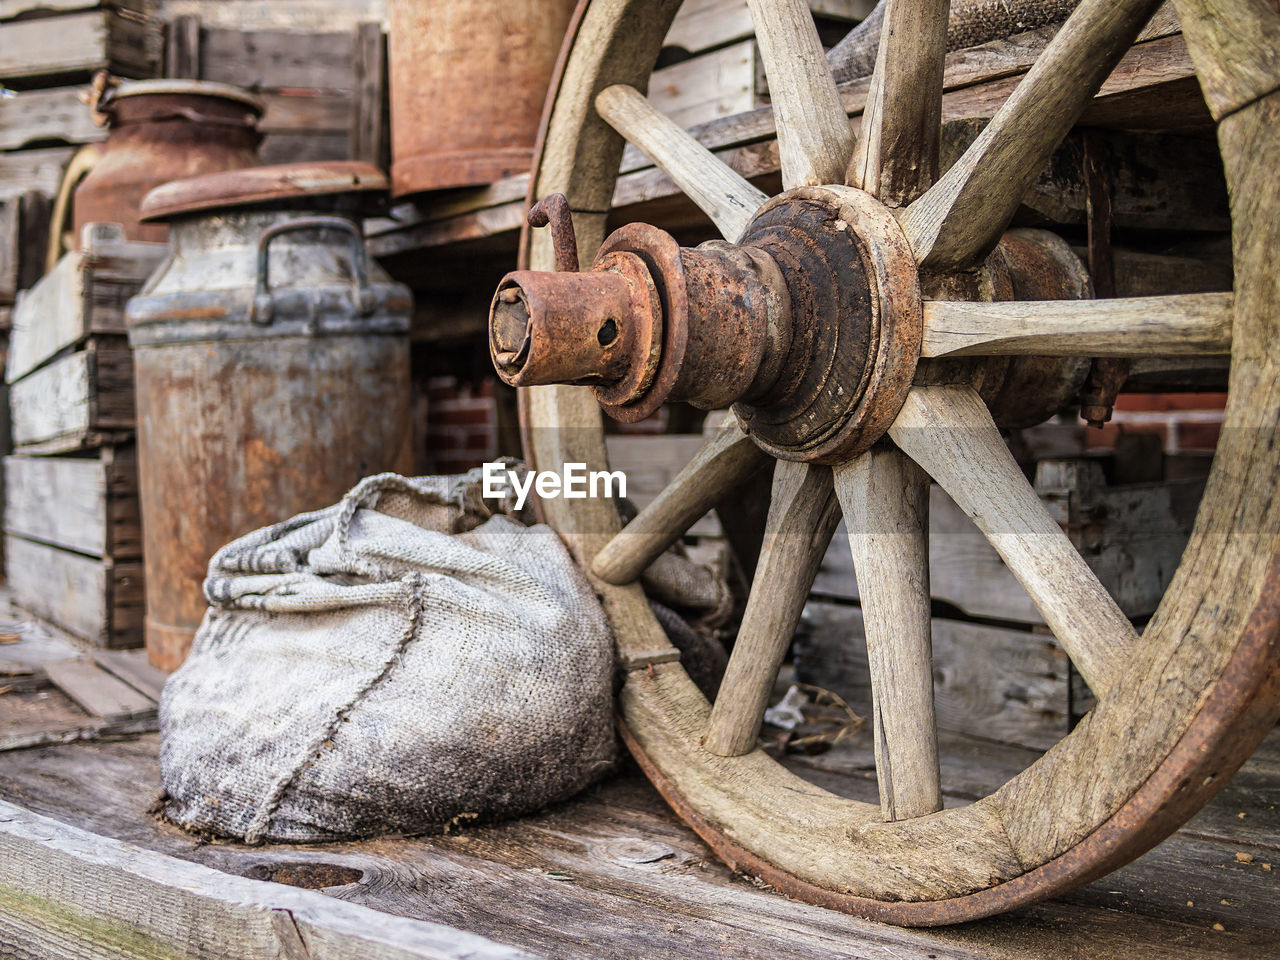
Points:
(264, 307)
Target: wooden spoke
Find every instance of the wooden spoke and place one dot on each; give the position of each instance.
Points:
(723, 195)
(896, 158)
(728, 459)
(1196, 324)
(802, 518)
(885, 498)
(815, 139)
(949, 432)
(961, 217)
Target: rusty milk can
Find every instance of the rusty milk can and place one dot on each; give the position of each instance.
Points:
(163, 130)
(468, 80)
(272, 369)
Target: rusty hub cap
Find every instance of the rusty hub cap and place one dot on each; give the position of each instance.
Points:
(810, 326)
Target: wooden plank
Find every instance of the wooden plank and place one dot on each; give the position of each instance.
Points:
(132, 667)
(703, 24)
(45, 735)
(297, 147)
(34, 116)
(97, 691)
(719, 83)
(78, 43)
(613, 866)
(370, 117)
(98, 600)
(300, 15)
(85, 293)
(33, 170)
(89, 505)
(277, 59)
(89, 390)
(10, 246)
(182, 48)
(9, 9)
(190, 910)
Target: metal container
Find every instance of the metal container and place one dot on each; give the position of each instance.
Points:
(468, 80)
(163, 130)
(272, 370)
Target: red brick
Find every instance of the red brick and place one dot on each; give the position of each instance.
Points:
(1171, 401)
(1198, 436)
(1105, 438)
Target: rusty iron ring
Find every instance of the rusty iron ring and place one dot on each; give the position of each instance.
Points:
(646, 318)
(661, 254)
(897, 322)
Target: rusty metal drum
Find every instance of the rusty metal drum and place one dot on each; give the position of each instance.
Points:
(468, 80)
(163, 130)
(272, 369)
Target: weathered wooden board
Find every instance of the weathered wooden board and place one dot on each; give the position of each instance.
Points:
(702, 24)
(39, 116)
(78, 43)
(84, 294)
(86, 504)
(98, 600)
(1005, 685)
(39, 170)
(10, 9)
(66, 886)
(611, 873)
(277, 59)
(279, 14)
(719, 83)
(83, 392)
(132, 667)
(1131, 536)
(98, 692)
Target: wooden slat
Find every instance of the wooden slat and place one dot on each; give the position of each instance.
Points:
(276, 59)
(98, 692)
(89, 505)
(1196, 324)
(33, 170)
(86, 293)
(189, 910)
(1234, 43)
(32, 116)
(78, 43)
(723, 195)
(803, 515)
(132, 667)
(370, 132)
(73, 731)
(87, 391)
(97, 600)
(719, 83)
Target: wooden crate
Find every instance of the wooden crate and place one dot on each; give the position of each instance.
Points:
(85, 294)
(76, 402)
(86, 504)
(44, 116)
(998, 672)
(100, 600)
(24, 220)
(722, 75)
(324, 89)
(41, 50)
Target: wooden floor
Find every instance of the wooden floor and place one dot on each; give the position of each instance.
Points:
(614, 874)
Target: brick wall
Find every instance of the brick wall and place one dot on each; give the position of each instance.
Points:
(461, 429)
(1185, 422)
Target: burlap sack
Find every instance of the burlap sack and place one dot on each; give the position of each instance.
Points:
(401, 660)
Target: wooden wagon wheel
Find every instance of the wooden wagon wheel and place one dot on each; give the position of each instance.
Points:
(1179, 707)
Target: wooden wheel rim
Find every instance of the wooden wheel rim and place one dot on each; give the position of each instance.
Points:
(1199, 694)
